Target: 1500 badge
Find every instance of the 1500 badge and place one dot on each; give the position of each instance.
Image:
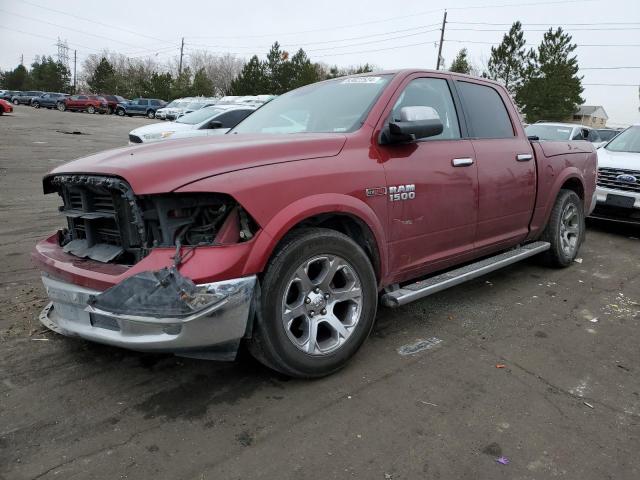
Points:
(402, 192)
(396, 192)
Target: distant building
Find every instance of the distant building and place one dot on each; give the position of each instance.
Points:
(590, 115)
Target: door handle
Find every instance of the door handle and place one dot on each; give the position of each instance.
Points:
(524, 157)
(462, 162)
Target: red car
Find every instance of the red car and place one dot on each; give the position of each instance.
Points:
(113, 101)
(5, 107)
(285, 233)
(84, 103)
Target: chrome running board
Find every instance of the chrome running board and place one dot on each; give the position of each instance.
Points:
(432, 285)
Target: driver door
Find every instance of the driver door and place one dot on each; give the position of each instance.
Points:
(433, 225)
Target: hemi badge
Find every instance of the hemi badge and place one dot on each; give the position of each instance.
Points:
(376, 191)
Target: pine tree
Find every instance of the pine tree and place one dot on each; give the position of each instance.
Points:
(17, 79)
(553, 89)
(460, 64)
(509, 60)
(49, 75)
(304, 72)
(103, 78)
(252, 80)
(202, 84)
(160, 85)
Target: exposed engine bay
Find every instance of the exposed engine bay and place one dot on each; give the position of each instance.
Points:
(106, 222)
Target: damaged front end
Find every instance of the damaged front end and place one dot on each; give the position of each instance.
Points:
(159, 309)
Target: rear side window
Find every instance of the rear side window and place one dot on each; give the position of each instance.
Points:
(486, 112)
(143, 102)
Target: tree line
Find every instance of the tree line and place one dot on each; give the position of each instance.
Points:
(543, 81)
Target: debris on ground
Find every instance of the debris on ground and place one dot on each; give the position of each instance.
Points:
(502, 460)
(501, 365)
(578, 260)
(588, 404)
(419, 346)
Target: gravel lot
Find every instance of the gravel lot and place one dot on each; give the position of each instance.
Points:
(566, 404)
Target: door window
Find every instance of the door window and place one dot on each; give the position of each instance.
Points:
(82, 97)
(231, 119)
(487, 114)
(143, 103)
(434, 93)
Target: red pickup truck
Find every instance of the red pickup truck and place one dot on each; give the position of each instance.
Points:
(286, 232)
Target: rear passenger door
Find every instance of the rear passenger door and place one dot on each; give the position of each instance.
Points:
(505, 162)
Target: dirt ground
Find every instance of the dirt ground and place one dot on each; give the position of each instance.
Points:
(566, 404)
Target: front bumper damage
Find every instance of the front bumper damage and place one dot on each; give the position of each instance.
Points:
(160, 311)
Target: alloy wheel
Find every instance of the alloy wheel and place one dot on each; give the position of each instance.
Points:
(322, 304)
(569, 229)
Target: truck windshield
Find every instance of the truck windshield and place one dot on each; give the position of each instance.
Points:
(339, 105)
(627, 141)
(549, 132)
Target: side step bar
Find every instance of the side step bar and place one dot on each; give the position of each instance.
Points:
(432, 285)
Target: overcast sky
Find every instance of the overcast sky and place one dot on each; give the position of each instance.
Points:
(386, 33)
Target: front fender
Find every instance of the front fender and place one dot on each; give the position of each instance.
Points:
(307, 207)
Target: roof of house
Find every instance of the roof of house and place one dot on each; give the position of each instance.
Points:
(588, 110)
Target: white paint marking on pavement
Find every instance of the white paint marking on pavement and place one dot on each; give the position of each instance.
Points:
(419, 346)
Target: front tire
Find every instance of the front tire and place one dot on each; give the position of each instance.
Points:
(36, 104)
(16, 102)
(62, 107)
(318, 304)
(120, 112)
(91, 109)
(565, 230)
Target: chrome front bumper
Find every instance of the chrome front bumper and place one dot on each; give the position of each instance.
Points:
(605, 211)
(214, 332)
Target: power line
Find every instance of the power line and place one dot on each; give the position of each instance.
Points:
(302, 44)
(434, 41)
(68, 28)
(609, 68)
(401, 17)
(612, 85)
(132, 32)
(45, 37)
(544, 30)
(543, 24)
(578, 44)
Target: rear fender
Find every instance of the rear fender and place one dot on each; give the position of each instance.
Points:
(549, 187)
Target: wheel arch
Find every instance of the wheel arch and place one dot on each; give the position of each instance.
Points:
(338, 212)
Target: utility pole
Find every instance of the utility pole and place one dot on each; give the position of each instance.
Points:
(75, 58)
(444, 22)
(181, 53)
(22, 59)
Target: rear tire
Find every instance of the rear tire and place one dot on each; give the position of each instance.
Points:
(151, 114)
(62, 107)
(318, 304)
(36, 104)
(120, 112)
(16, 102)
(565, 230)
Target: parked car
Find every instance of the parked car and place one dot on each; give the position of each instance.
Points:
(48, 100)
(140, 106)
(564, 131)
(287, 241)
(212, 120)
(24, 98)
(5, 107)
(8, 94)
(113, 101)
(84, 103)
(172, 108)
(618, 191)
(607, 134)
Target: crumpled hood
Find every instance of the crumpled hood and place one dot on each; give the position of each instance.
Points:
(161, 167)
(623, 160)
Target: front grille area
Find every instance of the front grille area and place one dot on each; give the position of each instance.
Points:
(134, 139)
(611, 178)
(101, 219)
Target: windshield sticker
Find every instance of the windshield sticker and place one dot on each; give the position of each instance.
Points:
(564, 130)
(362, 80)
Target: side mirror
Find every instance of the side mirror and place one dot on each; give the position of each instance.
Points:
(214, 124)
(415, 123)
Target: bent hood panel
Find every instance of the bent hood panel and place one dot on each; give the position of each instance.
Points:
(165, 166)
